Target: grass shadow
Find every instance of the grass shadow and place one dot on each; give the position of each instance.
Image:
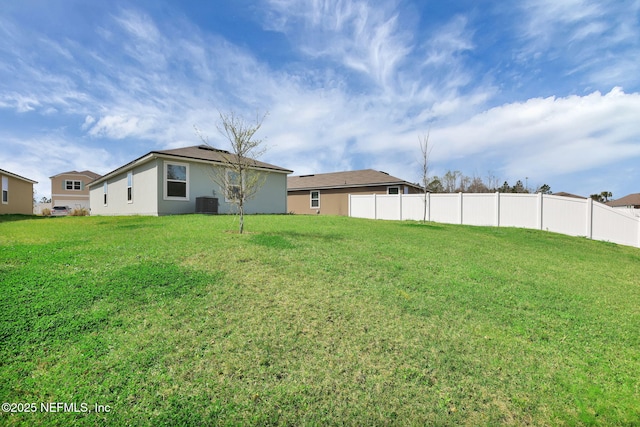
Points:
(18, 217)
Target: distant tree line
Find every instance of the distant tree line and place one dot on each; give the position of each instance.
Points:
(456, 182)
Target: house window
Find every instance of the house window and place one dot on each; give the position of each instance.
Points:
(176, 181)
(315, 199)
(105, 190)
(72, 185)
(233, 185)
(130, 187)
(5, 189)
(393, 190)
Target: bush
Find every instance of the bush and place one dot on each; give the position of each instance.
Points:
(46, 212)
(79, 212)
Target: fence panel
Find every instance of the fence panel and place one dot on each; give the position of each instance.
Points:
(479, 209)
(564, 215)
(413, 207)
(444, 208)
(615, 226)
(362, 206)
(388, 206)
(518, 210)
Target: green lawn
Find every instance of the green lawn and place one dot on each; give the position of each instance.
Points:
(312, 320)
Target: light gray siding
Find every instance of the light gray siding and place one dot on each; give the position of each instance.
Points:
(144, 195)
(272, 197)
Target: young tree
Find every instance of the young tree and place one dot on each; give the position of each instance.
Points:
(238, 175)
(425, 150)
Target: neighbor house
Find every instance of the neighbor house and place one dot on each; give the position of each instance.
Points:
(181, 181)
(629, 202)
(17, 194)
(328, 193)
(71, 189)
(565, 194)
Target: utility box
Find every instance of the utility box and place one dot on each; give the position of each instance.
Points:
(207, 205)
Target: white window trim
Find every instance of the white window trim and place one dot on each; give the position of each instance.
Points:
(164, 182)
(226, 184)
(396, 187)
(130, 187)
(311, 199)
(5, 187)
(73, 185)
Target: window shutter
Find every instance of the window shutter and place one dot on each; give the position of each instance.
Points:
(64, 184)
(81, 185)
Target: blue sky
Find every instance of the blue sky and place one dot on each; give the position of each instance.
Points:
(546, 91)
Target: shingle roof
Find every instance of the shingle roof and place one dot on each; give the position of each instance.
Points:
(628, 200)
(88, 173)
(205, 152)
(564, 194)
(15, 175)
(359, 178)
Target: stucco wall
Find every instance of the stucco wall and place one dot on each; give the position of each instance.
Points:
(20, 200)
(144, 194)
(272, 197)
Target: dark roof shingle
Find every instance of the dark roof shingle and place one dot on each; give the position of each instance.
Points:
(628, 200)
(359, 178)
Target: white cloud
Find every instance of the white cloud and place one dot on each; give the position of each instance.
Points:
(549, 137)
(589, 35)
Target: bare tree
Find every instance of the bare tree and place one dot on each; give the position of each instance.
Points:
(239, 176)
(450, 181)
(425, 150)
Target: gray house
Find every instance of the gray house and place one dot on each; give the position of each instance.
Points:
(180, 181)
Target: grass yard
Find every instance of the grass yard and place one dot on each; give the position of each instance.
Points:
(313, 320)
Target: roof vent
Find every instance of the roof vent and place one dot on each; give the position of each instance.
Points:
(305, 176)
(209, 148)
(384, 172)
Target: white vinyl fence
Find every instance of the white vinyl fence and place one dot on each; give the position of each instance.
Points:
(566, 215)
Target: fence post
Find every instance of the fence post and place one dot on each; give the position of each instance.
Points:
(497, 209)
(460, 208)
(375, 206)
(540, 219)
(428, 199)
(349, 205)
(589, 230)
(400, 203)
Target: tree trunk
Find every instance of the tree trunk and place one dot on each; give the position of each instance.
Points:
(241, 209)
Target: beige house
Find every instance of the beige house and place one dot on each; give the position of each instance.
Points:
(328, 193)
(17, 194)
(181, 181)
(71, 189)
